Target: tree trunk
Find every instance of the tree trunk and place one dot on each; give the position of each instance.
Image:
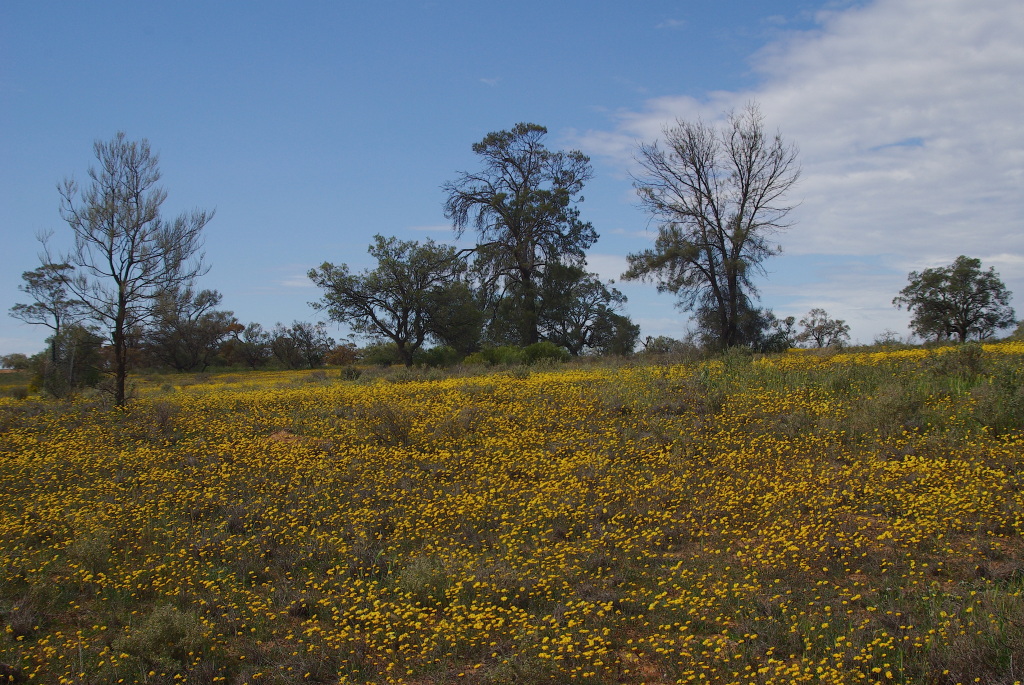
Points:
(404, 353)
(120, 353)
(529, 330)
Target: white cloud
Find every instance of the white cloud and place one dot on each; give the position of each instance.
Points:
(608, 266)
(907, 114)
(492, 82)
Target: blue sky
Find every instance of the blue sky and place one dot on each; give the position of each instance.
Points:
(310, 127)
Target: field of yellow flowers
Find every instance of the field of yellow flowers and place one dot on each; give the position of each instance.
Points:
(838, 518)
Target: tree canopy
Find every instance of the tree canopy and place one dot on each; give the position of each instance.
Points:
(522, 206)
(818, 327)
(960, 300)
(412, 286)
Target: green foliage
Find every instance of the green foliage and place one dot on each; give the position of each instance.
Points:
(73, 362)
(503, 355)
(380, 354)
(187, 332)
(455, 318)
(414, 291)
(959, 300)
(582, 314)
(441, 356)
(52, 305)
(521, 206)
(511, 355)
(822, 330)
(168, 639)
(301, 345)
(545, 351)
(756, 329)
(17, 392)
(252, 346)
(16, 361)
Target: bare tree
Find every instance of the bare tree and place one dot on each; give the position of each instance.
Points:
(125, 256)
(717, 195)
(521, 206)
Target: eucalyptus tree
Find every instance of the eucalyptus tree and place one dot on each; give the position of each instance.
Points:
(522, 206)
(960, 300)
(415, 291)
(824, 331)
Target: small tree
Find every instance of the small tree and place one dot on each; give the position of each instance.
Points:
(75, 361)
(718, 195)
(16, 361)
(580, 313)
(301, 345)
(821, 330)
(187, 332)
(405, 298)
(251, 345)
(52, 306)
(312, 342)
(284, 347)
(959, 300)
(125, 256)
(776, 335)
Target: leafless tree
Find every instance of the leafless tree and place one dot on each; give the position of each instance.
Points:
(718, 197)
(125, 256)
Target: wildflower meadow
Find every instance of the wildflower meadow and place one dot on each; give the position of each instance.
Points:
(806, 517)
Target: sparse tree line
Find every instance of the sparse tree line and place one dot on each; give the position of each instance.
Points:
(125, 295)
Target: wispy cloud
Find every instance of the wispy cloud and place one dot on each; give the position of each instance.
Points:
(492, 82)
(671, 24)
(296, 281)
(907, 115)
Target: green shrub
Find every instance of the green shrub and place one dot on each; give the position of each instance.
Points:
(18, 392)
(545, 351)
(381, 354)
(505, 355)
(166, 639)
(442, 356)
(350, 373)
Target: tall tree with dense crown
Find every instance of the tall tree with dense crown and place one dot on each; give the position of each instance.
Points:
(125, 255)
(957, 300)
(718, 197)
(522, 206)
